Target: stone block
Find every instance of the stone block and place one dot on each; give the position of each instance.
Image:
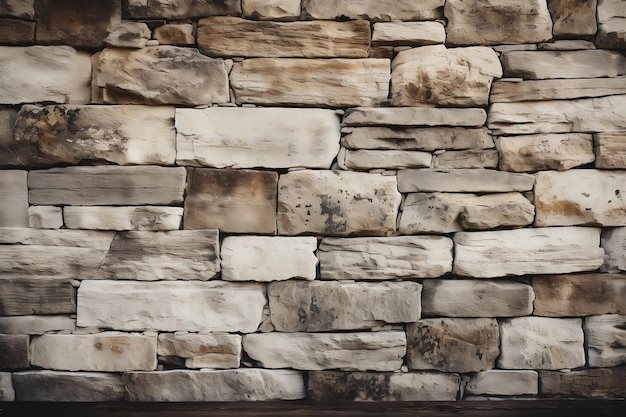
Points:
(376, 351)
(14, 351)
(606, 340)
(385, 257)
(215, 350)
(541, 343)
(610, 148)
(36, 324)
(212, 306)
(7, 122)
(501, 382)
(180, 9)
(22, 9)
(38, 295)
(537, 65)
(45, 217)
(453, 344)
(611, 22)
(233, 201)
(154, 218)
(613, 241)
(268, 258)
(384, 10)
(337, 203)
(466, 159)
(365, 159)
(408, 33)
(514, 89)
(415, 116)
(7, 393)
(53, 386)
(573, 18)
(462, 181)
(279, 10)
(181, 34)
(13, 198)
(587, 383)
(17, 32)
(128, 35)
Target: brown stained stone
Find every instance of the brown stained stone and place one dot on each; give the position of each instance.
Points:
(234, 201)
(610, 149)
(579, 295)
(175, 34)
(20, 296)
(23, 9)
(180, 9)
(80, 24)
(56, 386)
(587, 383)
(573, 18)
(215, 350)
(16, 32)
(14, 351)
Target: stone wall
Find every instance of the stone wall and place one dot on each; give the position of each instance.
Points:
(327, 199)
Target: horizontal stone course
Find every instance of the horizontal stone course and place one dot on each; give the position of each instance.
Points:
(142, 218)
(587, 383)
(462, 180)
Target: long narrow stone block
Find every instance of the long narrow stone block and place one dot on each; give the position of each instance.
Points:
(385, 257)
(587, 383)
(462, 180)
(414, 116)
(89, 239)
(20, 296)
(144, 218)
(228, 385)
(334, 82)
(541, 343)
(264, 258)
(470, 158)
(36, 324)
(269, 138)
(14, 351)
(381, 10)
(527, 251)
(606, 339)
(107, 185)
(365, 159)
(215, 350)
(476, 298)
(610, 149)
(537, 65)
(408, 33)
(180, 9)
(337, 203)
(212, 306)
(53, 386)
(377, 351)
(613, 240)
(7, 393)
(512, 90)
(500, 382)
(105, 352)
(371, 386)
(335, 305)
(13, 198)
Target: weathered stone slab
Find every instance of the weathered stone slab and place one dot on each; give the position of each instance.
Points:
(493, 22)
(36, 324)
(233, 36)
(265, 258)
(414, 116)
(500, 382)
(100, 241)
(23, 9)
(385, 257)
(434, 75)
(313, 82)
(122, 218)
(83, 24)
(365, 159)
(369, 386)
(175, 34)
(462, 180)
(383, 10)
(233, 201)
(476, 298)
(548, 250)
(31, 74)
(541, 343)
(566, 45)
(7, 121)
(68, 386)
(39, 295)
(128, 35)
(106, 352)
(212, 306)
(14, 351)
(585, 115)
(17, 32)
(529, 153)
(7, 393)
(161, 75)
(215, 350)
(579, 295)
(180, 9)
(614, 243)
(107, 185)
(423, 139)
(228, 385)
(280, 10)
(124, 135)
(408, 33)
(611, 22)
(610, 149)
(606, 338)
(45, 217)
(376, 351)
(537, 65)
(466, 159)
(587, 196)
(587, 383)
(337, 203)
(336, 305)
(13, 198)
(573, 18)
(269, 138)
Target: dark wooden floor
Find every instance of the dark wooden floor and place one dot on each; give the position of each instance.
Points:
(519, 408)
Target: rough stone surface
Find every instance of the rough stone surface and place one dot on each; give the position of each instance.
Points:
(537, 65)
(215, 350)
(513, 89)
(365, 159)
(434, 75)
(614, 243)
(493, 22)
(334, 82)
(579, 295)
(31, 74)
(529, 153)
(180, 9)
(218, 385)
(476, 298)
(128, 35)
(233, 201)
(610, 149)
(527, 251)
(378, 351)
(414, 116)
(453, 345)
(573, 18)
(466, 159)
(270, 137)
(21, 296)
(265, 258)
(462, 180)
(417, 138)
(161, 75)
(212, 306)
(606, 338)
(13, 198)
(175, 34)
(566, 45)
(375, 10)
(45, 217)
(23, 9)
(14, 351)
(17, 32)
(7, 393)
(611, 23)
(7, 122)
(107, 185)
(336, 305)
(370, 386)
(105, 352)
(500, 382)
(53, 386)
(121, 218)
(541, 343)
(408, 33)
(385, 257)
(588, 383)
(274, 10)
(36, 324)
(124, 135)
(337, 203)
(66, 238)
(588, 196)
(497, 210)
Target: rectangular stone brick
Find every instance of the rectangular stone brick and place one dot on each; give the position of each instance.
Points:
(155, 218)
(36, 324)
(462, 180)
(7, 393)
(17, 32)
(215, 350)
(378, 10)
(414, 116)
(180, 9)
(513, 90)
(606, 340)
(501, 382)
(587, 383)
(19, 296)
(14, 351)
(13, 198)
(53, 386)
(610, 148)
(45, 217)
